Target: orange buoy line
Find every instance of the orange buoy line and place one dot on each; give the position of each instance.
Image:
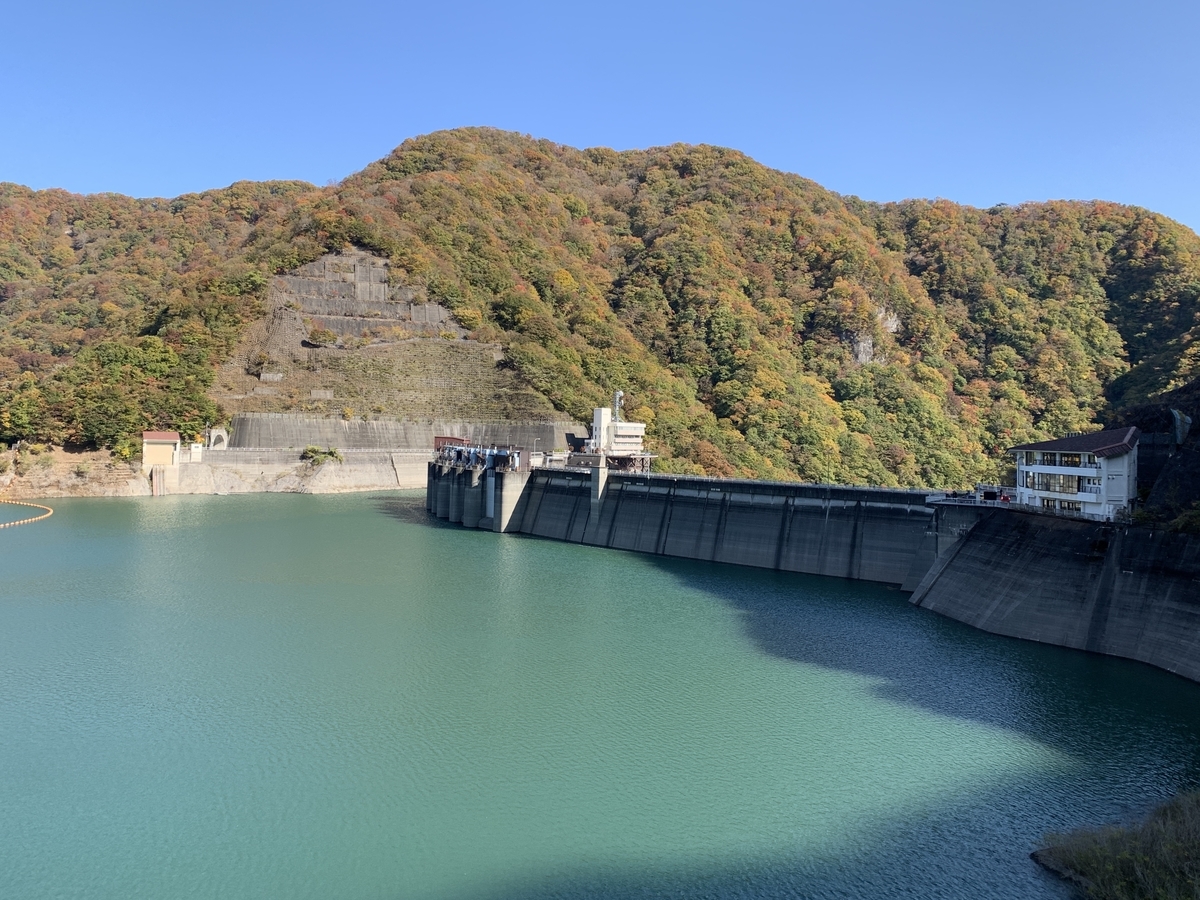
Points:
(47, 514)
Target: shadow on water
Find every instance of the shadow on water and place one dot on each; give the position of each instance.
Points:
(411, 511)
(918, 657)
(921, 658)
(1077, 702)
(1132, 732)
(896, 863)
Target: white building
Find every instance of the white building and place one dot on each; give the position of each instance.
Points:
(613, 437)
(614, 443)
(1093, 475)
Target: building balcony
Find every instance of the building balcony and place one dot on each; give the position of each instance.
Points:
(1087, 495)
(1087, 470)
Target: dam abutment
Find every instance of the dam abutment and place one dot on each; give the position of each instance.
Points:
(1111, 588)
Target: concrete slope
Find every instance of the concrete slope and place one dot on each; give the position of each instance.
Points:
(284, 430)
(1120, 590)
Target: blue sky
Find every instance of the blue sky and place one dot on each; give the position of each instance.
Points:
(979, 102)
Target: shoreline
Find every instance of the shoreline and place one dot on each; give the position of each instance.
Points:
(54, 472)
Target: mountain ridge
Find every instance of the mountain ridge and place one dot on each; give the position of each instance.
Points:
(762, 325)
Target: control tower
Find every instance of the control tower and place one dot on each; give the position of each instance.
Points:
(614, 443)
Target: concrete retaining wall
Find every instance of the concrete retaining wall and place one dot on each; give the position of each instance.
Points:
(1119, 590)
(273, 471)
(285, 430)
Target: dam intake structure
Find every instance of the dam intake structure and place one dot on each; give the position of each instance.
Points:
(1110, 588)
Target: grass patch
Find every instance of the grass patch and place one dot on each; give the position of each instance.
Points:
(1157, 859)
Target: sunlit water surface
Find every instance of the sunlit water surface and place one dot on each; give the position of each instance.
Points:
(335, 697)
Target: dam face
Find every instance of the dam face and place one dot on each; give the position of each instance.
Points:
(1120, 590)
(873, 534)
(1114, 589)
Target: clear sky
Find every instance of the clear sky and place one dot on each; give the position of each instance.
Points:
(979, 102)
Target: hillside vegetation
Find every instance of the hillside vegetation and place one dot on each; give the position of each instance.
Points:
(761, 325)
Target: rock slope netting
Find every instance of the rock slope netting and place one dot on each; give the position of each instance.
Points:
(1130, 591)
(760, 324)
(339, 338)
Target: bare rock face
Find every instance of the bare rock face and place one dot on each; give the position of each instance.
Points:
(55, 472)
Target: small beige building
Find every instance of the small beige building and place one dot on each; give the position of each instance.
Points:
(159, 448)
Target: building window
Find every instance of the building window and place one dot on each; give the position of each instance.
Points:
(1049, 459)
(1057, 484)
(1030, 458)
(1048, 503)
(1068, 459)
(1070, 506)
(1089, 458)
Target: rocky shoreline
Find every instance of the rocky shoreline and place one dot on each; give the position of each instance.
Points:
(46, 472)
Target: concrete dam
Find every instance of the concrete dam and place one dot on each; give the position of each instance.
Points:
(1114, 589)
(873, 534)
(1121, 590)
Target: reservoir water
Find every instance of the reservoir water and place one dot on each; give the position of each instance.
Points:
(336, 697)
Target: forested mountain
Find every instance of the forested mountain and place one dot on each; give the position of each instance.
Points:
(762, 325)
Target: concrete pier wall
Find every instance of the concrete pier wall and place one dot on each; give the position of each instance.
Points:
(1128, 591)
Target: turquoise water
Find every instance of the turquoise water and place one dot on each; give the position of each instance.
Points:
(335, 697)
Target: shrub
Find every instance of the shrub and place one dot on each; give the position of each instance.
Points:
(315, 456)
(1159, 857)
(81, 470)
(1188, 522)
(4, 465)
(322, 337)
